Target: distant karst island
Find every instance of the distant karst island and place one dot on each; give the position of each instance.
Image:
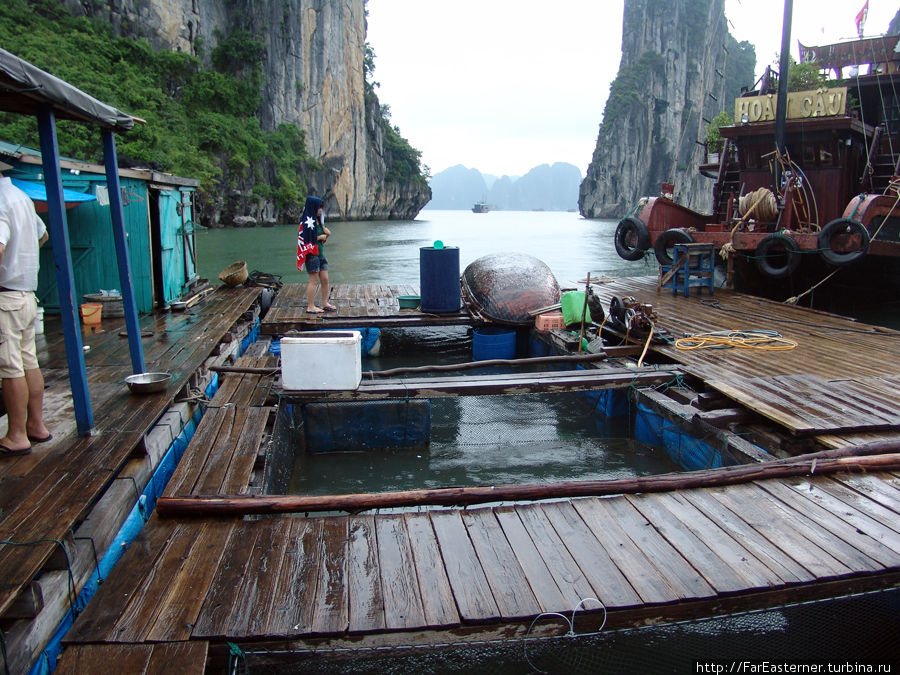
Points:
(544, 188)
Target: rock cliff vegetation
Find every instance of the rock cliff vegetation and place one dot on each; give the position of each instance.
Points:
(680, 67)
(260, 101)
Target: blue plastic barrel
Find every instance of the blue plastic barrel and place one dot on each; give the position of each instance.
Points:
(439, 279)
(493, 343)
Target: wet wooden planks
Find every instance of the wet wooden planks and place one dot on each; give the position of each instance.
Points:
(188, 658)
(358, 305)
(806, 404)
(830, 347)
(295, 577)
(43, 503)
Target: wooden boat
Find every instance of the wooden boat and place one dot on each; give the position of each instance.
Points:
(480, 207)
(799, 194)
(504, 287)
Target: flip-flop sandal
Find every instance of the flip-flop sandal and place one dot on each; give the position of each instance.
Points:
(314, 311)
(329, 308)
(35, 439)
(9, 452)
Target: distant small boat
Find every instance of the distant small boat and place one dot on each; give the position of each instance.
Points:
(505, 287)
(481, 207)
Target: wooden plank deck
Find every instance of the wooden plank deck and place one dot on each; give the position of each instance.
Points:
(150, 659)
(295, 578)
(857, 361)
(43, 495)
(396, 578)
(829, 347)
(358, 305)
(806, 404)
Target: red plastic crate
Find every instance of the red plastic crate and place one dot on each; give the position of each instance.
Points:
(549, 321)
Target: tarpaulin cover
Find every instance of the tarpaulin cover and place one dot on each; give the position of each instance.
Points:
(25, 88)
(38, 192)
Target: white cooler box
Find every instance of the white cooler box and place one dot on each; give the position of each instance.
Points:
(321, 360)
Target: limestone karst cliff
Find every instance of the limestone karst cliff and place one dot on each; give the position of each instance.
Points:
(312, 77)
(680, 67)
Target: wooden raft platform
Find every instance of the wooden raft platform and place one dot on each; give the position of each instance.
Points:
(371, 579)
(370, 305)
(841, 383)
(45, 494)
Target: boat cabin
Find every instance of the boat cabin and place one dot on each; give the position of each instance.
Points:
(827, 191)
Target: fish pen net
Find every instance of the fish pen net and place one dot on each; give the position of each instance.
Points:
(850, 634)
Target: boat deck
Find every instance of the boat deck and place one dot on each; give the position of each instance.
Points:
(358, 305)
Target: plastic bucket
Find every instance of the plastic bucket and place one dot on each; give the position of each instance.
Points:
(90, 313)
(493, 343)
(439, 279)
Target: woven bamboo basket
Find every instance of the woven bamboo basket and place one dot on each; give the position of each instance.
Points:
(235, 274)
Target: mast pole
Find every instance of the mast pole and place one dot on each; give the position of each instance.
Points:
(783, 68)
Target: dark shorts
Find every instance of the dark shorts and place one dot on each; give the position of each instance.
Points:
(316, 263)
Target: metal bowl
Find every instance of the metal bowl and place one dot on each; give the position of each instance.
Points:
(148, 383)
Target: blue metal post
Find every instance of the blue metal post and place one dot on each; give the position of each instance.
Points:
(119, 234)
(62, 256)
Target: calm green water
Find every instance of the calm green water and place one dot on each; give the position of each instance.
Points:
(387, 252)
(474, 441)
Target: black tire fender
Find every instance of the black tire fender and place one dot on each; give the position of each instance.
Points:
(847, 227)
(777, 256)
(632, 239)
(666, 240)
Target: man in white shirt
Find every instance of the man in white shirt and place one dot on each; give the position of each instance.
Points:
(22, 233)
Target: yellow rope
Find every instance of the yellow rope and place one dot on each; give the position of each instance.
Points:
(646, 345)
(765, 340)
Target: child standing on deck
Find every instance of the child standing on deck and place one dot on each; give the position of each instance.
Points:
(311, 251)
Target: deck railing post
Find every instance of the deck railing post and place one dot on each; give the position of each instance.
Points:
(120, 237)
(65, 281)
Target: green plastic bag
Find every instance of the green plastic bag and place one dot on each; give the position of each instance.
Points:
(572, 307)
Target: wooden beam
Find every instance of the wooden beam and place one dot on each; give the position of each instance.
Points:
(881, 456)
(477, 385)
(27, 604)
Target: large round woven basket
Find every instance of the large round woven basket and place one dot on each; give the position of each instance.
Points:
(235, 274)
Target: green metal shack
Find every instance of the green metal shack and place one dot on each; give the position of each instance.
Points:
(158, 212)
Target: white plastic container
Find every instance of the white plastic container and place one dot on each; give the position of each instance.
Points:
(318, 360)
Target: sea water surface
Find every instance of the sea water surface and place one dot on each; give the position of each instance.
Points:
(478, 440)
(387, 252)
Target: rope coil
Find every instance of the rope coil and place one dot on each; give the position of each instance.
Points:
(762, 339)
(764, 202)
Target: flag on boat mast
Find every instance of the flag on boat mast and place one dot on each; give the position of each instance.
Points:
(861, 18)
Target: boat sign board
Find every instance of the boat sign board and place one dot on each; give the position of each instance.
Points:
(800, 105)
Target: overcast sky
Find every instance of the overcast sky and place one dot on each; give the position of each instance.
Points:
(503, 86)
